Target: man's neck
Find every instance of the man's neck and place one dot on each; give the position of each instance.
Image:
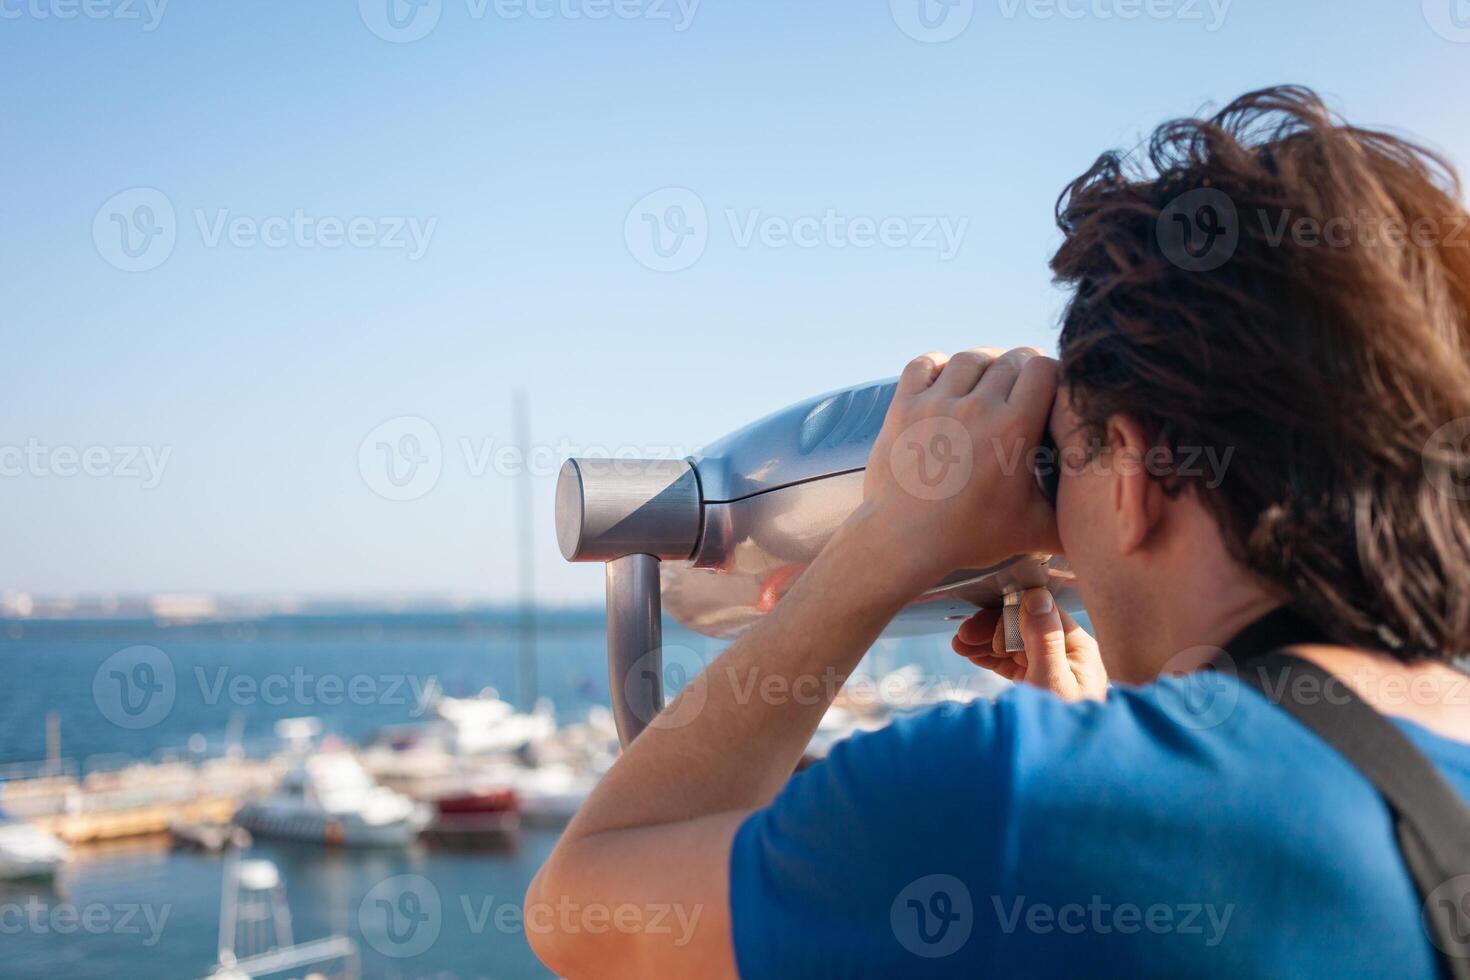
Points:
(1188, 630)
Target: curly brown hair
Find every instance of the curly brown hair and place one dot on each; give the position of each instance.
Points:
(1295, 290)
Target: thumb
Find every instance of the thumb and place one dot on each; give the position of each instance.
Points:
(1046, 644)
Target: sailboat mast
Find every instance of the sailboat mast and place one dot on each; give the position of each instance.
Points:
(526, 617)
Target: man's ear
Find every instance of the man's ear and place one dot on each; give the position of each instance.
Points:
(1138, 499)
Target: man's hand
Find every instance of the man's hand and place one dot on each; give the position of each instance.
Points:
(1060, 656)
(948, 473)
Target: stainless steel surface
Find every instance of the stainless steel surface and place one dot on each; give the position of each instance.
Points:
(752, 551)
(829, 434)
(1010, 615)
(608, 508)
(634, 643)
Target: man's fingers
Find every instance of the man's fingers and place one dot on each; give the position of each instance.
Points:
(964, 369)
(1046, 640)
(979, 629)
(920, 373)
(1001, 376)
(1035, 391)
(1009, 668)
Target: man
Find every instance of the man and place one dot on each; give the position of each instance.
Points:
(1282, 294)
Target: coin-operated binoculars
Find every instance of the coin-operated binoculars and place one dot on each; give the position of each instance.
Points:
(718, 538)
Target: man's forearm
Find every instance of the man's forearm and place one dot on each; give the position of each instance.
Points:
(752, 712)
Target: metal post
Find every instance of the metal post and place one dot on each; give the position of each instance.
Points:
(634, 643)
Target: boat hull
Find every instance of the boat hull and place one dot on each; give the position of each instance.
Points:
(344, 831)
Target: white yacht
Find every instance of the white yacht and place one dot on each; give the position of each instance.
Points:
(329, 798)
(486, 724)
(27, 851)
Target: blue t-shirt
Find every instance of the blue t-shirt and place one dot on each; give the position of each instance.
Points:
(1188, 828)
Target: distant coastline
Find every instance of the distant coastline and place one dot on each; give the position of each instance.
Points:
(198, 608)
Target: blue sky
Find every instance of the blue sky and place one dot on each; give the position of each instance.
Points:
(517, 138)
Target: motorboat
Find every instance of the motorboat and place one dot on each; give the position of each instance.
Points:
(28, 852)
(329, 798)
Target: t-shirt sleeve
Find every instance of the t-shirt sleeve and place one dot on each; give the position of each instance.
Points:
(871, 862)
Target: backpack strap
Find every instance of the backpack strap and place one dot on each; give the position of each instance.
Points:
(1431, 820)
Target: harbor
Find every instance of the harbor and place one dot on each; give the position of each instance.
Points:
(438, 789)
